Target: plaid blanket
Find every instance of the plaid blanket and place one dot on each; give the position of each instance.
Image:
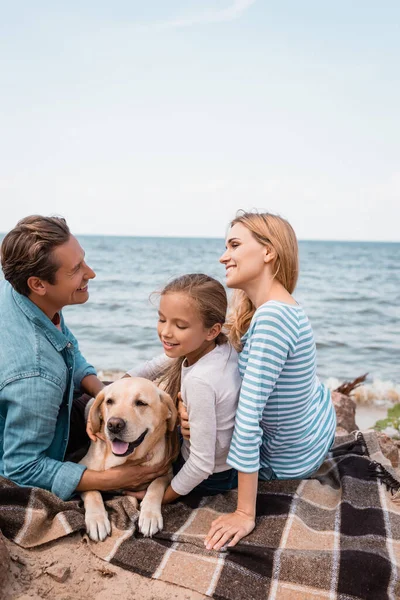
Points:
(334, 536)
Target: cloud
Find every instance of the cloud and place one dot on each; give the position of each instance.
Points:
(234, 11)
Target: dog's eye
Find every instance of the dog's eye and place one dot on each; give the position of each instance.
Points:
(140, 403)
(109, 401)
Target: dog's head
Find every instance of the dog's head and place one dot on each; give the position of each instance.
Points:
(135, 413)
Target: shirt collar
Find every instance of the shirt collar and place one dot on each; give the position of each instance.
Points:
(37, 316)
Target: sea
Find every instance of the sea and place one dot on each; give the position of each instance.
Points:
(349, 290)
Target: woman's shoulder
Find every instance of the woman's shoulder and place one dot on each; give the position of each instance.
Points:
(274, 309)
(279, 319)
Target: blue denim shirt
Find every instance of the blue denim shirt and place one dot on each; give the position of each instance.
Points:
(40, 366)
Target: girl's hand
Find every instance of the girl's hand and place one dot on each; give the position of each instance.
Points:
(233, 526)
(183, 418)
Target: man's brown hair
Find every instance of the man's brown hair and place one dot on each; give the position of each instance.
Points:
(27, 250)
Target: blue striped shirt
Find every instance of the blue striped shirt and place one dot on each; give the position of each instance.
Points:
(285, 421)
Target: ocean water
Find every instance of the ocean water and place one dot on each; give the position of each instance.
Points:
(350, 291)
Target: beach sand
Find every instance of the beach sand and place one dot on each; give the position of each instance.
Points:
(32, 576)
(367, 416)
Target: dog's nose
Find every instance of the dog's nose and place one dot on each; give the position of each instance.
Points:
(115, 425)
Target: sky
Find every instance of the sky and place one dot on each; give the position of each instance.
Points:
(165, 118)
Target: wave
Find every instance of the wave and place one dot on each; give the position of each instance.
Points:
(332, 344)
(349, 299)
(379, 392)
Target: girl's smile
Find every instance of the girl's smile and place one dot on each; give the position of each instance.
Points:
(168, 345)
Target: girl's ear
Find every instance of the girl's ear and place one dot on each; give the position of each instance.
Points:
(95, 412)
(214, 332)
(172, 412)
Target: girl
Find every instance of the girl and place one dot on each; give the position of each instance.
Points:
(285, 422)
(199, 363)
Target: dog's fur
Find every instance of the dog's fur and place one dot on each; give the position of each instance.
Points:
(130, 411)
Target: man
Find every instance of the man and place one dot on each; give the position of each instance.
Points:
(40, 363)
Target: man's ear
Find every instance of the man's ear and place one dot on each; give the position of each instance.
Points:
(172, 412)
(95, 412)
(36, 285)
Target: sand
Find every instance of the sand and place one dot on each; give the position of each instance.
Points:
(34, 574)
(367, 416)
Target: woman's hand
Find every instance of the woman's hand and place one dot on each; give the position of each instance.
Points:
(183, 418)
(233, 526)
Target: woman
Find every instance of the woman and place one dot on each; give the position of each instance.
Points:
(285, 422)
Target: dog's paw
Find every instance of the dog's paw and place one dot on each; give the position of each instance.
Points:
(98, 526)
(150, 520)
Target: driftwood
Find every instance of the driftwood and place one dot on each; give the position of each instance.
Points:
(348, 386)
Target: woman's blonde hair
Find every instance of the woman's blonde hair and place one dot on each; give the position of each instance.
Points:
(209, 297)
(275, 232)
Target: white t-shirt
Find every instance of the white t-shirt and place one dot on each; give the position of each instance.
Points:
(210, 391)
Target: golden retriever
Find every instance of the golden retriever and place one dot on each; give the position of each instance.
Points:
(134, 418)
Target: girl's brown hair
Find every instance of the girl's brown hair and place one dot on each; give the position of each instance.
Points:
(275, 232)
(209, 297)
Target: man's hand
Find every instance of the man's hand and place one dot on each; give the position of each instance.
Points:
(183, 418)
(131, 476)
(233, 526)
(125, 476)
(136, 475)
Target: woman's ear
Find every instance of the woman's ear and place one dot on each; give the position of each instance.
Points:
(270, 254)
(172, 412)
(95, 412)
(214, 332)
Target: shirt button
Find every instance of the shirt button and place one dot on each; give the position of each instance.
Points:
(69, 345)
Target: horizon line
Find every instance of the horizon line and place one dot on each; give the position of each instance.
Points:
(200, 237)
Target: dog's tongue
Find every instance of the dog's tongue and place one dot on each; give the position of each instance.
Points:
(119, 447)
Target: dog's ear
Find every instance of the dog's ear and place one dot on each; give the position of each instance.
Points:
(172, 412)
(95, 412)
